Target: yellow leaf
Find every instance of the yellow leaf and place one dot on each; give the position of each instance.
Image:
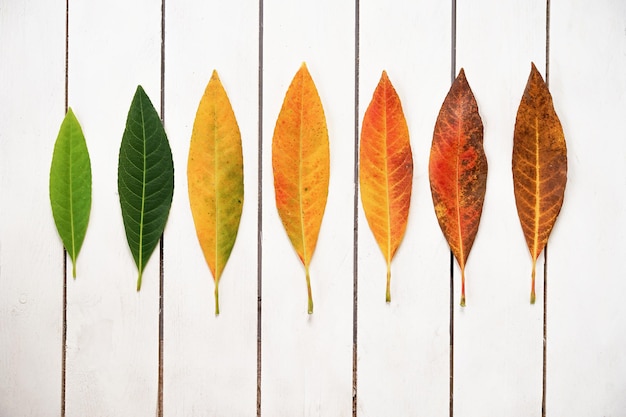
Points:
(215, 178)
(301, 164)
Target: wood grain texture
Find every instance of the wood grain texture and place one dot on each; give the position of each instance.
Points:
(112, 334)
(214, 355)
(31, 251)
(403, 346)
(498, 336)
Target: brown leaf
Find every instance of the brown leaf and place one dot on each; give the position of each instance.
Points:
(458, 171)
(539, 166)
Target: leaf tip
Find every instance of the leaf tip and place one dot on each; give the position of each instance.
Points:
(214, 75)
(535, 74)
(140, 91)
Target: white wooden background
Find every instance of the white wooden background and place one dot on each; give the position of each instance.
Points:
(356, 355)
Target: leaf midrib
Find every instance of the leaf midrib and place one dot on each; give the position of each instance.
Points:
(73, 255)
(537, 191)
(458, 194)
(215, 191)
(143, 189)
(300, 185)
(386, 167)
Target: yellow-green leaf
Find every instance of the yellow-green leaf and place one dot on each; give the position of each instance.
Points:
(70, 186)
(215, 178)
(301, 164)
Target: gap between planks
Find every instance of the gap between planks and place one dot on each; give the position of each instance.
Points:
(451, 330)
(64, 313)
(259, 212)
(355, 259)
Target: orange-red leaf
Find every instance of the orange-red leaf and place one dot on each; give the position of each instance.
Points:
(386, 170)
(458, 171)
(301, 164)
(539, 166)
(215, 178)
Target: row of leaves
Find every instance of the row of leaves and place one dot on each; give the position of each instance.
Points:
(301, 167)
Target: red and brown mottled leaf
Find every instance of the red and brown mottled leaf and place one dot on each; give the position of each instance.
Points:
(386, 170)
(539, 166)
(458, 171)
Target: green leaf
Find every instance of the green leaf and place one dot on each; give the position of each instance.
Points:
(145, 179)
(70, 186)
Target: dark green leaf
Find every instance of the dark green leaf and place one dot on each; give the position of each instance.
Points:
(70, 186)
(145, 179)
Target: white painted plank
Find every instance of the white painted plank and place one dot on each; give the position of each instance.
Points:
(586, 286)
(498, 336)
(307, 359)
(403, 347)
(112, 339)
(32, 79)
(210, 362)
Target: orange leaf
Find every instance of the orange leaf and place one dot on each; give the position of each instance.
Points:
(386, 170)
(301, 164)
(215, 178)
(458, 171)
(539, 166)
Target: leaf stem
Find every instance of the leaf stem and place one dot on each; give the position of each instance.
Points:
(462, 287)
(139, 279)
(308, 288)
(74, 268)
(217, 299)
(532, 287)
(388, 294)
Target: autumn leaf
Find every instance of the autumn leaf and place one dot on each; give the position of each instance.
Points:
(215, 178)
(539, 166)
(458, 171)
(386, 170)
(301, 164)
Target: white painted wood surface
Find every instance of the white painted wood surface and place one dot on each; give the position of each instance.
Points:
(498, 336)
(215, 355)
(31, 263)
(403, 346)
(112, 330)
(307, 359)
(210, 363)
(586, 275)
